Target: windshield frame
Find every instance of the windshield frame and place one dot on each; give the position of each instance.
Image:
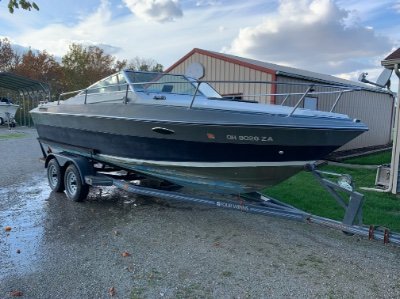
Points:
(204, 89)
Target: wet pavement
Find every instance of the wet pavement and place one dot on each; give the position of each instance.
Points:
(123, 246)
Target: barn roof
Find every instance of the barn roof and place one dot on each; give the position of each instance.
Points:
(277, 69)
(394, 55)
(392, 59)
(21, 84)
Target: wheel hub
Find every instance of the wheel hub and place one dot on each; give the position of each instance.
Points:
(71, 183)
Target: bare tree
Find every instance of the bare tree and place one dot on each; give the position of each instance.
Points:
(144, 64)
(8, 58)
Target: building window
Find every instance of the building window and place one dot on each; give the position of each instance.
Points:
(311, 103)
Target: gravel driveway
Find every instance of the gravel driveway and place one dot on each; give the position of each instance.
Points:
(123, 246)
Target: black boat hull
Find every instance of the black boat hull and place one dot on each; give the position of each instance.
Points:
(220, 157)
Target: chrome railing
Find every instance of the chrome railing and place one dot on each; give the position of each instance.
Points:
(309, 90)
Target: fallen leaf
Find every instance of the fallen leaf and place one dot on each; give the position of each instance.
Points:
(7, 228)
(111, 291)
(126, 253)
(16, 293)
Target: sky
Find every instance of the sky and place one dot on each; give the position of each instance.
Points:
(336, 37)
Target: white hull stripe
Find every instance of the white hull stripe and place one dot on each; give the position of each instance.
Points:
(275, 125)
(201, 164)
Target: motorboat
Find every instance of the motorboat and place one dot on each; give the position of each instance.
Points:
(7, 111)
(181, 130)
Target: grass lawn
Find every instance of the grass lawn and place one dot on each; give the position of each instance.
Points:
(303, 191)
(11, 135)
(373, 159)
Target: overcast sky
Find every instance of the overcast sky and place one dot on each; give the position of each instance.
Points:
(342, 37)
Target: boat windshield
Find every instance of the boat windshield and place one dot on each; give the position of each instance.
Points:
(168, 83)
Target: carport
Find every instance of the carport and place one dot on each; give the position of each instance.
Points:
(25, 92)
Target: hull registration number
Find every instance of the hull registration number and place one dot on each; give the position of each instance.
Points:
(250, 138)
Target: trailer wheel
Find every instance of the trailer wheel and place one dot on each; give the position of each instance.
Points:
(75, 189)
(55, 176)
(1, 121)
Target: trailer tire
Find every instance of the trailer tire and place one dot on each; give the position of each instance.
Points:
(75, 189)
(1, 121)
(55, 176)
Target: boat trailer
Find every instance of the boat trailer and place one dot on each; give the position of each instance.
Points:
(75, 173)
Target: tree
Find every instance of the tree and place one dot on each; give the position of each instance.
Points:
(144, 64)
(85, 65)
(120, 65)
(43, 67)
(27, 5)
(8, 58)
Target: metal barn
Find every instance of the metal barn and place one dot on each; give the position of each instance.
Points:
(371, 105)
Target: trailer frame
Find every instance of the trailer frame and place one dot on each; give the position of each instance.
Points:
(90, 172)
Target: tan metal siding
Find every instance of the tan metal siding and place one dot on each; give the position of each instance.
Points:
(372, 108)
(216, 69)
